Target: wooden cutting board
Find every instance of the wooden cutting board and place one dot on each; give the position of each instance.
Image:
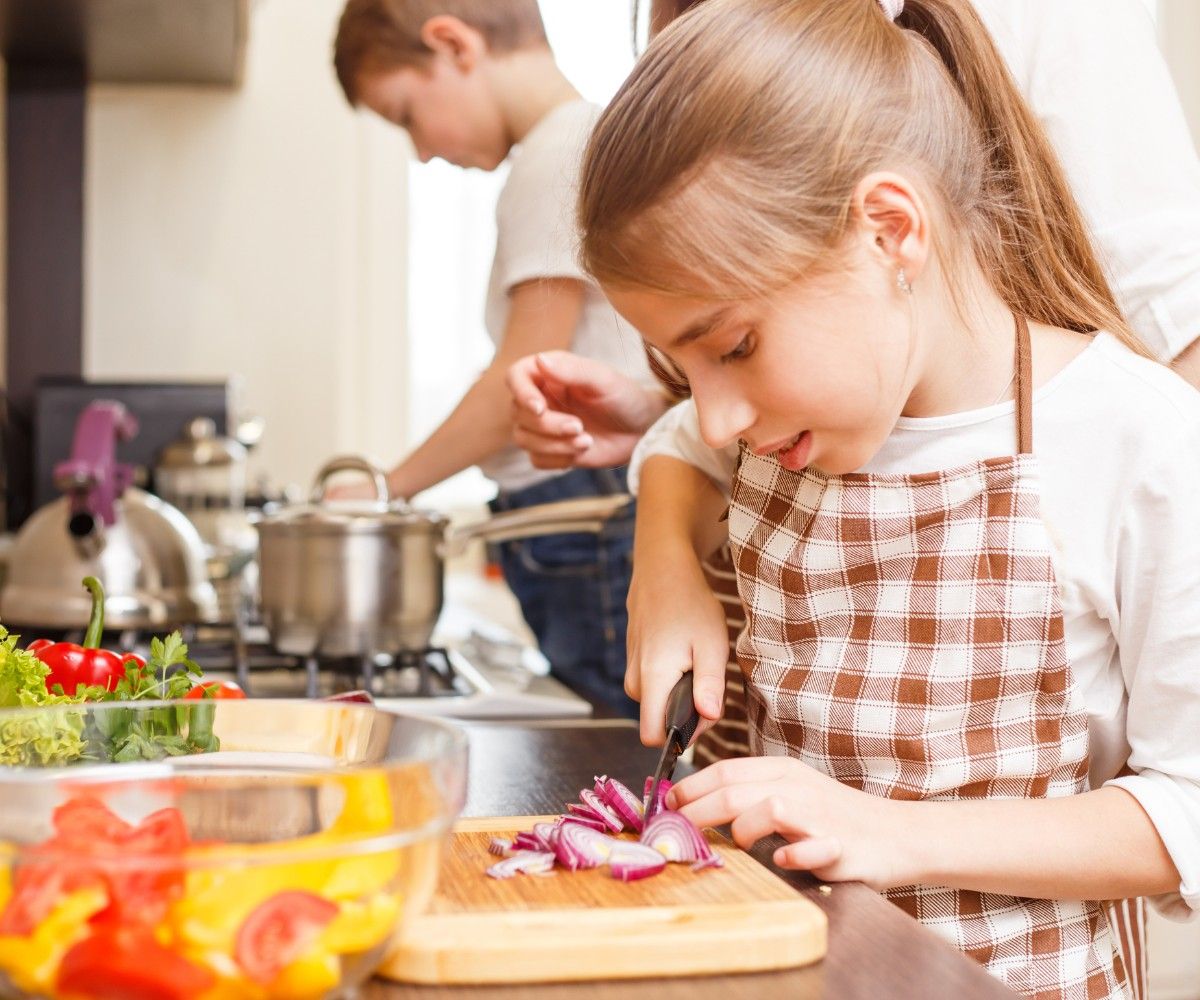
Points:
(585, 925)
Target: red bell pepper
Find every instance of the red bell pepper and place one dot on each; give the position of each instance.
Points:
(71, 664)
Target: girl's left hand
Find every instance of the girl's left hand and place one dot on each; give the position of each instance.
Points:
(836, 832)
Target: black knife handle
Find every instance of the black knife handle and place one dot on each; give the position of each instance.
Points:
(681, 715)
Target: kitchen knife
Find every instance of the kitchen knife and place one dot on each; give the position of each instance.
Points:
(680, 721)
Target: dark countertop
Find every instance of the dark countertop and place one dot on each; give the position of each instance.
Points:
(875, 951)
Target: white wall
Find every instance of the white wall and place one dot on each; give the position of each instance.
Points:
(257, 232)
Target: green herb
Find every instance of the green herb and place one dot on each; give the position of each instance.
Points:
(128, 734)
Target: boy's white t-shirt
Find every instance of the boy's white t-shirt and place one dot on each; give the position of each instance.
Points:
(1117, 440)
(537, 237)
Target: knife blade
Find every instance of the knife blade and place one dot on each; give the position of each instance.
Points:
(680, 721)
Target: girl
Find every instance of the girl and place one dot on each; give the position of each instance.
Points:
(842, 224)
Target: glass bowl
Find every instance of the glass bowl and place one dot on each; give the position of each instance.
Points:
(240, 849)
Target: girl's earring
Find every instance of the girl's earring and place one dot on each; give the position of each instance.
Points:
(902, 282)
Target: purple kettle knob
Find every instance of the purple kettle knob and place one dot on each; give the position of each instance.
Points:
(93, 477)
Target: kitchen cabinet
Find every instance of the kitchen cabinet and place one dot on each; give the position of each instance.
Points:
(131, 41)
(875, 950)
(53, 50)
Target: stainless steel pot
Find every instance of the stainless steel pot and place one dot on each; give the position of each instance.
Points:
(363, 578)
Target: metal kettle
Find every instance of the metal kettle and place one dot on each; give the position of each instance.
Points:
(148, 556)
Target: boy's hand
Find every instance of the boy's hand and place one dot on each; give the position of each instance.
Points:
(835, 831)
(571, 411)
(675, 625)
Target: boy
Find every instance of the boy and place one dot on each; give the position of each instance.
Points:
(469, 80)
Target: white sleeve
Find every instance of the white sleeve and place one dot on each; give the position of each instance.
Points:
(677, 434)
(1158, 636)
(1100, 87)
(536, 234)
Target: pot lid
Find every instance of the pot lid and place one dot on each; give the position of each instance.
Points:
(349, 516)
(200, 447)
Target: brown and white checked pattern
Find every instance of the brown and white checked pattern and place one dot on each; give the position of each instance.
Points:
(729, 737)
(905, 637)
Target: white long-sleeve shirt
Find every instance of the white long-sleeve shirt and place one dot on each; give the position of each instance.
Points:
(1117, 438)
(1093, 75)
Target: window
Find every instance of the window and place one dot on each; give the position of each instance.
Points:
(452, 233)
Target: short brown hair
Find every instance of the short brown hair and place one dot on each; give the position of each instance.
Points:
(381, 34)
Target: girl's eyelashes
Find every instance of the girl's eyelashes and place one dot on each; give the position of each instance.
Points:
(743, 349)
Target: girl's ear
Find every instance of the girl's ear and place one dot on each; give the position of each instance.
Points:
(894, 220)
(453, 38)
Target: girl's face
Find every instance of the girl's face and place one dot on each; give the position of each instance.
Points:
(816, 373)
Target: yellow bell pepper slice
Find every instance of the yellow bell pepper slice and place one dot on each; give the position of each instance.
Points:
(32, 961)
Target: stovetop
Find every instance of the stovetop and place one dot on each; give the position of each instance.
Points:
(463, 682)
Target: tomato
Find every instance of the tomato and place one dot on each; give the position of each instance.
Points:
(36, 888)
(279, 931)
(127, 964)
(216, 689)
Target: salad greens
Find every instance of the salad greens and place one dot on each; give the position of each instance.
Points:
(126, 733)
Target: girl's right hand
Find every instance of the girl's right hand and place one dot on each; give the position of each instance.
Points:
(676, 624)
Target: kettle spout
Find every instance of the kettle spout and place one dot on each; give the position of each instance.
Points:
(87, 532)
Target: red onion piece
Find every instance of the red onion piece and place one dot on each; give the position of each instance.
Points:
(623, 802)
(592, 801)
(713, 861)
(578, 846)
(660, 803)
(577, 809)
(545, 833)
(675, 837)
(526, 841)
(630, 861)
(500, 846)
(595, 824)
(527, 862)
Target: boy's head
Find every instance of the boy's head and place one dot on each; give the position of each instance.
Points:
(424, 66)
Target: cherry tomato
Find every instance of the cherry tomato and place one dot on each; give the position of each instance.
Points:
(280, 930)
(216, 689)
(115, 964)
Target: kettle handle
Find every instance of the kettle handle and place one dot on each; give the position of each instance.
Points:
(350, 463)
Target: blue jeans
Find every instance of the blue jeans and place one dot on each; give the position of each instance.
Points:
(572, 588)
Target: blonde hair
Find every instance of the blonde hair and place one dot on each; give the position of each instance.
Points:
(384, 34)
(724, 167)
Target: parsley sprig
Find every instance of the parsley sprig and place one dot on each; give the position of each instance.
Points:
(127, 734)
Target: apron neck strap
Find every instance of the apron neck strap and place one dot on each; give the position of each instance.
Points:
(1024, 377)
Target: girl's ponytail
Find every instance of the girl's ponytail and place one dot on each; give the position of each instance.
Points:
(1039, 255)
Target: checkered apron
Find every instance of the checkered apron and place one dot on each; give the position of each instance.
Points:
(904, 636)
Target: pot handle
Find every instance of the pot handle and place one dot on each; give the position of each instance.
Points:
(350, 463)
(581, 514)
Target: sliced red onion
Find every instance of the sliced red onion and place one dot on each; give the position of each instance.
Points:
(578, 846)
(500, 846)
(526, 841)
(545, 833)
(660, 802)
(595, 824)
(610, 817)
(630, 861)
(577, 809)
(713, 861)
(675, 837)
(523, 862)
(622, 801)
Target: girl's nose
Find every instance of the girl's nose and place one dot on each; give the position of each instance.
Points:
(724, 417)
